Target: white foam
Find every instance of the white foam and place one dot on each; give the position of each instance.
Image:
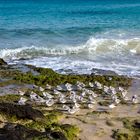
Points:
(92, 46)
(120, 55)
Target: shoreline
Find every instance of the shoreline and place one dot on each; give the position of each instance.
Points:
(98, 123)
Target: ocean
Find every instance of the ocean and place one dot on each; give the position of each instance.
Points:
(72, 36)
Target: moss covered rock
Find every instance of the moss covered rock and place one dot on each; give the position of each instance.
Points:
(131, 130)
(23, 111)
(19, 132)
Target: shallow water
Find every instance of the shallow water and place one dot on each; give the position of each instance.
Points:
(76, 34)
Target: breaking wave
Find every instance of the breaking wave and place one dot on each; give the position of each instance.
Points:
(92, 46)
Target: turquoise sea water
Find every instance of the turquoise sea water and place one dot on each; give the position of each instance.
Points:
(76, 35)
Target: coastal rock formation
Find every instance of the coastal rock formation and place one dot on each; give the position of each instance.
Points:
(23, 111)
(19, 132)
(2, 62)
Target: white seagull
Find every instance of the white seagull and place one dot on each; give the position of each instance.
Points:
(134, 99)
(22, 101)
(49, 102)
(112, 105)
(21, 92)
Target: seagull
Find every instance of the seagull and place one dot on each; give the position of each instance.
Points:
(90, 105)
(76, 105)
(80, 84)
(33, 96)
(114, 97)
(62, 100)
(98, 85)
(120, 89)
(112, 88)
(56, 92)
(92, 101)
(36, 98)
(65, 107)
(77, 97)
(22, 101)
(91, 84)
(41, 89)
(90, 92)
(106, 89)
(72, 96)
(49, 87)
(94, 95)
(123, 93)
(110, 78)
(74, 100)
(47, 95)
(68, 87)
(83, 100)
(72, 92)
(126, 98)
(35, 86)
(72, 111)
(79, 87)
(117, 101)
(90, 98)
(49, 102)
(112, 105)
(83, 94)
(39, 99)
(21, 92)
(60, 88)
(134, 99)
(80, 98)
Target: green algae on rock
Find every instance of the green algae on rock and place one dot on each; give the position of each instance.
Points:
(19, 111)
(34, 121)
(131, 130)
(48, 76)
(19, 132)
(9, 98)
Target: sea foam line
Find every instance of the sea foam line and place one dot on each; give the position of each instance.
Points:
(93, 45)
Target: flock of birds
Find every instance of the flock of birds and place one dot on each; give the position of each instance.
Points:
(72, 97)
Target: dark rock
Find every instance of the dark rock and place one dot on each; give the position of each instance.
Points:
(102, 72)
(19, 132)
(24, 111)
(137, 124)
(58, 136)
(2, 62)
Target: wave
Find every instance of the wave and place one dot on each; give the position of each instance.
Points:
(92, 46)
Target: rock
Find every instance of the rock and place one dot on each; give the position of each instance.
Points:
(58, 136)
(102, 72)
(24, 111)
(137, 124)
(2, 62)
(19, 132)
(16, 132)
